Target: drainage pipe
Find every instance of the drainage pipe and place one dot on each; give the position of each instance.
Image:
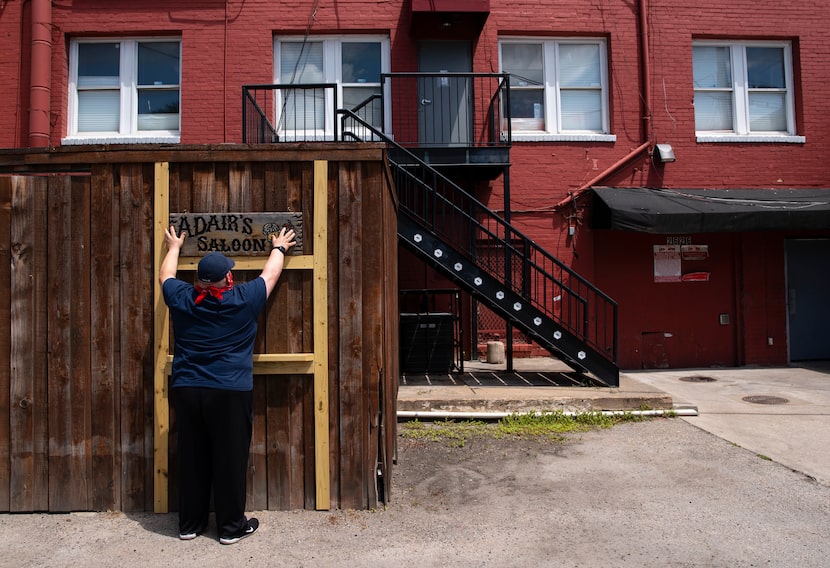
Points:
(40, 90)
(646, 109)
(473, 415)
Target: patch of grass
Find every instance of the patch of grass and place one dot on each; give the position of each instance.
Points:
(550, 425)
(453, 432)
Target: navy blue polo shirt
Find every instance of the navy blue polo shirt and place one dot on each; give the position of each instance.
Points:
(214, 340)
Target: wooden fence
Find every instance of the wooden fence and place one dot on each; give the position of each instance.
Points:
(82, 412)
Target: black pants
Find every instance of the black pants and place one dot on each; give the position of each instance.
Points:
(214, 440)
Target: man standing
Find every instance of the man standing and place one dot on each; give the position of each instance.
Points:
(214, 327)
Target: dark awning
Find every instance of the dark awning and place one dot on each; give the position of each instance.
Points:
(710, 210)
(449, 6)
(449, 19)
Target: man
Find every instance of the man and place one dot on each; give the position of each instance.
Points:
(214, 327)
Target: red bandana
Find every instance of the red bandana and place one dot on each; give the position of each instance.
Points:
(214, 291)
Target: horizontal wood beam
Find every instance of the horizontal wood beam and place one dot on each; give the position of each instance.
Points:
(274, 364)
(79, 158)
(292, 262)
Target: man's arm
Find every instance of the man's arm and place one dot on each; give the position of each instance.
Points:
(273, 266)
(170, 263)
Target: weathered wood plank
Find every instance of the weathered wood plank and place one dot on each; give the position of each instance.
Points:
(104, 366)
(372, 305)
(301, 198)
(284, 461)
(79, 371)
(28, 480)
(77, 156)
(258, 473)
(5, 338)
(59, 222)
(68, 326)
(134, 249)
(204, 189)
(332, 332)
(389, 353)
(352, 405)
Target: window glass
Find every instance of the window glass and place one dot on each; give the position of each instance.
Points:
(126, 87)
(579, 66)
(742, 89)
(361, 62)
(767, 112)
(99, 65)
(527, 104)
(99, 111)
(158, 63)
(712, 67)
(301, 62)
(524, 63)
(581, 110)
(765, 67)
(713, 111)
(556, 86)
(158, 110)
(355, 68)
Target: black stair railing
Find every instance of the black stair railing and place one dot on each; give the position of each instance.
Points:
(527, 271)
(302, 113)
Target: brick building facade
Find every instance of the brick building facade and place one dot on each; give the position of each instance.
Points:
(729, 294)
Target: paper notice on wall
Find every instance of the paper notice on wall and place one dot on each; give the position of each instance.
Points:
(667, 263)
(694, 252)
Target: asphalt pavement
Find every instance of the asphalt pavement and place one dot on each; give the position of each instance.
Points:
(740, 480)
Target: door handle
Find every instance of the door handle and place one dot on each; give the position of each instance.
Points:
(425, 102)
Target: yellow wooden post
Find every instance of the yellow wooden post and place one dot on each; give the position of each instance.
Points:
(321, 340)
(161, 214)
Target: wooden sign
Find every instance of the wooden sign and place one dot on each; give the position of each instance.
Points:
(235, 234)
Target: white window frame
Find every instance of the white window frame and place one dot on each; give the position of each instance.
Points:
(740, 96)
(332, 73)
(553, 119)
(128, 123)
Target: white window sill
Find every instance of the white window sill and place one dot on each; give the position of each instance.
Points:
(751, 138)
(546, 137)
(160, 139)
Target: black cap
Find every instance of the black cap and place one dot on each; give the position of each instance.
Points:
(213, 267)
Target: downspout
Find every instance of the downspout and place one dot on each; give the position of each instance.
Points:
(646, 109)
(40, 94)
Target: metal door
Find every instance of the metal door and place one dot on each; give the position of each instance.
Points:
(808, 302)
(445, 103)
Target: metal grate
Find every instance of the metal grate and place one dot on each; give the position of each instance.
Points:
(765, 399)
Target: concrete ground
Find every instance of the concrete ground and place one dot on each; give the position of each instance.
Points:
(788, 420)
(780, 412)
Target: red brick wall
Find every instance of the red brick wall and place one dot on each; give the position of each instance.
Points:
(228, 44)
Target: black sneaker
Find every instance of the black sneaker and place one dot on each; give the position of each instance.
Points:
(191, 535)
(250, 528)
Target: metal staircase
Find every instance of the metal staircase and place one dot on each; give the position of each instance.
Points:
(498, 265)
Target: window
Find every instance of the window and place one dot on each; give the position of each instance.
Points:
(558, 88)
(353, 64)
(124, 90)
(743, 91)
